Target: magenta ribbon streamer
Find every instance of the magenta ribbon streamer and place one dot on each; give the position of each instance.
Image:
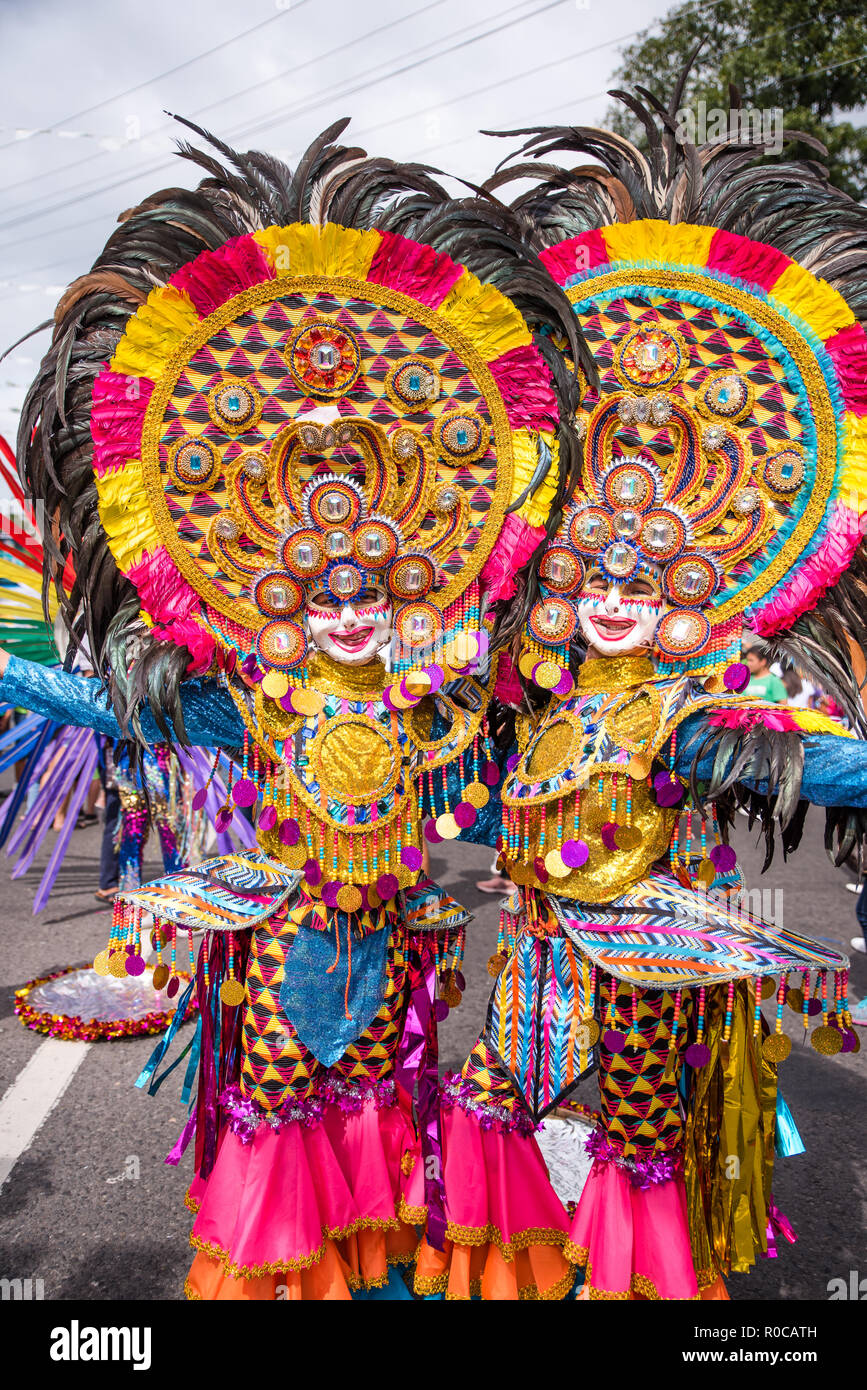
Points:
(182, 1141)
(778, 1224)
(206, 1103)
(417, 1067)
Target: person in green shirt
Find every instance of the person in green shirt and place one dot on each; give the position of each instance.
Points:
(764, 685)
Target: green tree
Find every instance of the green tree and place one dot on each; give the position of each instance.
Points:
(808, 58)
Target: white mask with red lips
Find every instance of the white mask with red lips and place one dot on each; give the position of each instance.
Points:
(353, 632)
(619, 617)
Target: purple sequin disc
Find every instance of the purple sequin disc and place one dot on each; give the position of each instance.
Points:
(289, 833)
(386, 886)
(244, 793)
(574, 853)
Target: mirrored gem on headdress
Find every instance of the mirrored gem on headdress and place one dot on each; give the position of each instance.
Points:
(746, 501)
(338, 544)
(690, 580)
(413, 383)
(281, 644)
(194, 464)
(417, 624)
(628, 484)
(725, 393)
(276, 594)
(580, 427)
(641, 409)
(372, 545)
(660, 410)
(335, 506)
(305, 556)
(650, 356)
(446, 500)
(553, 621)
(254, 467)
(324, 358)
(461, 435)
(412, 575)
(227, 529)
(713, 436)
(682, 633)
(345, 581)
(660, 535)
(413, 578)
(403, 444)
(783, 471)
(234, 405)
(626, 410)
(375, 542)
(590, 530)
(620, 559)
(627, 524)
(558, 570)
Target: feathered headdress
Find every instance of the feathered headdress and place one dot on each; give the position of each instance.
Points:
(724, 302)
(278, 378)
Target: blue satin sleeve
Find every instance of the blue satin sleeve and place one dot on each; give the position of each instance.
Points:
(835, 768)
(210, 717)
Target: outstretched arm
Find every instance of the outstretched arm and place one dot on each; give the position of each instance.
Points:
(834, 766)
(210, 718)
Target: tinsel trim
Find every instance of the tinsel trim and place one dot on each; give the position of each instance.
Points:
(454, 1091)
(246, 1115)
(642, 1173)
(73, 1028)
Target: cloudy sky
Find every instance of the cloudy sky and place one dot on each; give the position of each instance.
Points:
(85, 85)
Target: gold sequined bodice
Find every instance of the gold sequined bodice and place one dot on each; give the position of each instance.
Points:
(583, 777)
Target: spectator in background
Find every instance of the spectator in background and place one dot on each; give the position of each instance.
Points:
(764, 685)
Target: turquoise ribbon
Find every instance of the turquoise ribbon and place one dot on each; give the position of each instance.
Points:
(163, 1046)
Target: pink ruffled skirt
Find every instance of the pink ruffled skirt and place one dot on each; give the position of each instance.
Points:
(633, 1242)
(507, 1228)
(306, 1211)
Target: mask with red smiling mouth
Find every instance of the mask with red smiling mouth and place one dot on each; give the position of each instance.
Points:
(351, 633)
(618, 618)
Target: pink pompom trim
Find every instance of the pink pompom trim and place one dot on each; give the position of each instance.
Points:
(117, 419)
(744, 259)
(514, 546)
(523, 381)
(815, 575)
(216, 276)
(163, 591)
(848, 351)
(778, 718)
(412, 269)
(578, 253)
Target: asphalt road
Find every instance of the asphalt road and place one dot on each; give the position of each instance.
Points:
(71, 1218)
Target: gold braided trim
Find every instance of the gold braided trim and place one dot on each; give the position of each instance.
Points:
(411, 1216)
(490, 1235)
(821, 408)
(191, 1203)
(638, 1283)
(301, 1262)
(233, 606)
(527, 1293)
(407, 1162)
(190, 1293)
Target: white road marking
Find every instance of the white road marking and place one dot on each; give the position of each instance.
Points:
(33, 1095)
